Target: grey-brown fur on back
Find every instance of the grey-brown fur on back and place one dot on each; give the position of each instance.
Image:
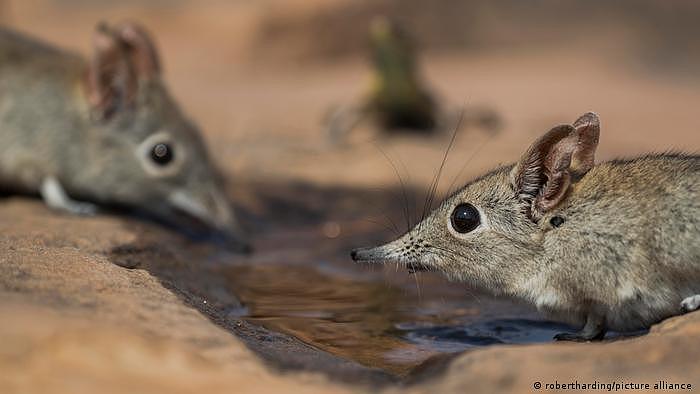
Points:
(630, 240)
(614, 245)
(89, 126)
(40, 119)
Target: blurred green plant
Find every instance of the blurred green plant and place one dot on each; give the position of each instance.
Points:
(397, 96)
(397, 99)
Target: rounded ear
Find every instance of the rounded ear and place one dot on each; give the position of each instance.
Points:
(111, 82)
(588, 132)
(122, 56)
(544, 174)
(141, 49)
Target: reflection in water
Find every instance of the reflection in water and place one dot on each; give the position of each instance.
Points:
(381, 318)
(302, 282)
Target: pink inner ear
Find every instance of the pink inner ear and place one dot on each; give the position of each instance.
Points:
(111, 83)
(567, 154)
(143, 51)
(555, 191)
(563, 155)
(588, 133)
(529, 175)
(558, 178)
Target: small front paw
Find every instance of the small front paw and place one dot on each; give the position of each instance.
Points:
(567, 336)
(578, 337)
(82, 208)
(690, 304)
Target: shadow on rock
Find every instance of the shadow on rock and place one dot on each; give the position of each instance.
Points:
(286, 222)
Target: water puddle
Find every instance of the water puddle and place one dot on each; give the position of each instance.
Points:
(382, 317)
(301, 282)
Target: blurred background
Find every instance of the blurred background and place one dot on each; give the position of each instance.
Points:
(260, 77)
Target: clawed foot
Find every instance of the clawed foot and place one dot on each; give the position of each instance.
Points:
(593, 330)
(690, 304)
(579, 337)
(81, 208)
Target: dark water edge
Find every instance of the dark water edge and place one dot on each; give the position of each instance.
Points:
(301, 304)
(385, 319)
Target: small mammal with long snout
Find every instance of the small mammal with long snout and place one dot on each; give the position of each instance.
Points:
(104, 132)
(614, 245)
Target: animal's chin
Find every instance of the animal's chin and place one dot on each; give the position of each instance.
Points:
(411, 266)
(414, 267)
(187, 222)
(375, 256)
(197, 229)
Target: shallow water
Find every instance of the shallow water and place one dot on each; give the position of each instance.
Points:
(301, 281)
(382, 317)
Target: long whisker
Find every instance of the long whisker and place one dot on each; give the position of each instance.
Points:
(415, 276)
(436, 180)
(473, 295)
(466, 163)
(403, 187)
(393, 230)
(411, 193)
(394, 227)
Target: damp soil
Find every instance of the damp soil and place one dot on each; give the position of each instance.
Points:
(380, 318)
(300, 299)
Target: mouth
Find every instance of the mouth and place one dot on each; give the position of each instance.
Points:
(414, 267)
(378, 256)
(199, 229)
(215, 224)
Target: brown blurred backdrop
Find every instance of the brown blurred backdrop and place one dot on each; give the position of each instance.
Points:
(259, 75)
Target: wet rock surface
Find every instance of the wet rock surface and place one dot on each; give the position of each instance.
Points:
(76, 320)
(69, 303)
(126, 274)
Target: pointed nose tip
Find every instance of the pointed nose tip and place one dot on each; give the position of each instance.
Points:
(243, 248)
(232, 240)
(362, 254)
(236, 243)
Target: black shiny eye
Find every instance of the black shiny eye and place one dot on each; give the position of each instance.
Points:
(162, 153)
(556, 221)
(465, 218)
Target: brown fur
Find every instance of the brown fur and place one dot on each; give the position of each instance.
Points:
(623, 253)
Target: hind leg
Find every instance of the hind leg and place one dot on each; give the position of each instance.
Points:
(594, 330)
(690, 304)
